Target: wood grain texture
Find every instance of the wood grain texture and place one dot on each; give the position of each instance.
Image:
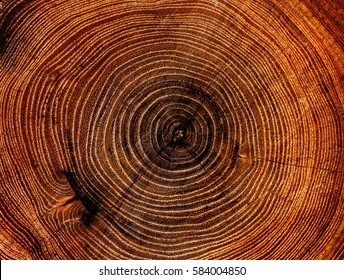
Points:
(171, 129)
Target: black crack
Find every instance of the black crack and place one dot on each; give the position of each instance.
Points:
(91, 208)
(235, 155)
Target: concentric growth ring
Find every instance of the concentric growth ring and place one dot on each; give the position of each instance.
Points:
(171, 130)
(171, 133)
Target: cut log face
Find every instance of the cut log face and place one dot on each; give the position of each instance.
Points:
(172, 129)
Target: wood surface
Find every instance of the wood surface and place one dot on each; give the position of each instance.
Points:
(172, 129)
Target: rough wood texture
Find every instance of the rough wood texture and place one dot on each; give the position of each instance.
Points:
(171, 129)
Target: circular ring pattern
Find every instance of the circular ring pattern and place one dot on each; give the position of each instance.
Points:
(171, 130)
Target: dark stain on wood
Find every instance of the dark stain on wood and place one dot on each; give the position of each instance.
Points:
(91, 208)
